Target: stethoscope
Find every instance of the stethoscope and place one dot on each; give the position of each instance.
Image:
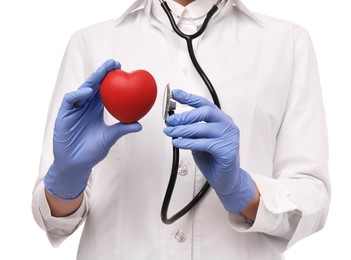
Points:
(169, 105)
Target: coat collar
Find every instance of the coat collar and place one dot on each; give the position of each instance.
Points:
(146, 6)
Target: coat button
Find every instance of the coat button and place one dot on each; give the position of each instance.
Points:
(182, 169)
(179, 236)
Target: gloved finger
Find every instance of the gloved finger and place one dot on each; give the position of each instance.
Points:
(200, 130)
(190, 99)
(76, 98)
(95, 79)
(116, 131)
(201, 114)
(200, 144)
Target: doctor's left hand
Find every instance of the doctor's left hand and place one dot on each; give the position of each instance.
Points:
(213, 138)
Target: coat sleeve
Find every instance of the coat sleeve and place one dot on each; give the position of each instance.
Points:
(295, 201)
(70, 77)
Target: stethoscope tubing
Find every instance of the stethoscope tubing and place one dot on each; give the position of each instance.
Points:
(175, 161)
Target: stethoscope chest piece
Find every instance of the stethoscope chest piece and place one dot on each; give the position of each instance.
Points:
(168, 105)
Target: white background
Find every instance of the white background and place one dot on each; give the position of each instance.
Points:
(34, 35)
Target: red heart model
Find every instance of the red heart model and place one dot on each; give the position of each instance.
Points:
(128, 96)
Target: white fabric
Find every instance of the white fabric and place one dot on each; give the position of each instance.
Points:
(266, 77)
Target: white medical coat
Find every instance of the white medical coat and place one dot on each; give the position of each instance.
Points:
(265, 73)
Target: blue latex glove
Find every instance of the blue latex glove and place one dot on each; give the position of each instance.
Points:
(81, 138)
(214, 140)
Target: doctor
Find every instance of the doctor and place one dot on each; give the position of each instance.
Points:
(264, 154)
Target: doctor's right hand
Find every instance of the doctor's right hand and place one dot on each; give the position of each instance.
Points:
(81, 137)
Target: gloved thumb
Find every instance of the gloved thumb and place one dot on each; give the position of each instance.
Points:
(116, 131)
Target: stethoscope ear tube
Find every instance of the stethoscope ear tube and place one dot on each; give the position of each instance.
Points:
(175, 163)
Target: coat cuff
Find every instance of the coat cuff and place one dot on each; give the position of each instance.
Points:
(271, 215)
(59, 228)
